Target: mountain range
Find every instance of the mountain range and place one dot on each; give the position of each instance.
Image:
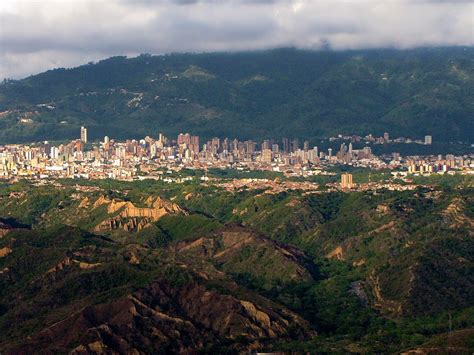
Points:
(249, 95)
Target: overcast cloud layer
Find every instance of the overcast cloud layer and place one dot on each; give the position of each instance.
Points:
(37, 35)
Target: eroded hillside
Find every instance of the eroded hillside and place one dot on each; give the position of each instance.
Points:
(90, 268)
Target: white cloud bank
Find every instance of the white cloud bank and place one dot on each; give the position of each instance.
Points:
(36, 35)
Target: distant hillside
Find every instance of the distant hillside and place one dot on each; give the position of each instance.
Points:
(268, 94)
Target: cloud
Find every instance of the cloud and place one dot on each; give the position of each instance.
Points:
(37, 35)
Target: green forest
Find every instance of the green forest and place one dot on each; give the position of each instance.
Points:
(249, 95)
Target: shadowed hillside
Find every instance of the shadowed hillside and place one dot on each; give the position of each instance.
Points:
(249, 95)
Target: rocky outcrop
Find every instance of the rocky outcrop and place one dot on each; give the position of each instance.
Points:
(390, 226)
(118, 222)
(102, 200)
(60, 266)
(155, 208)
(383, 209)
(84, 203)
(67, 262)
(167, 319)
(133, 254)
(4, 252)
(337, 254)
(455, 215)
(4, 229)
(86, 266)
(130, 218)
(382, 302)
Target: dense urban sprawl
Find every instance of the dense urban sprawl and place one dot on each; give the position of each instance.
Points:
(151, 158)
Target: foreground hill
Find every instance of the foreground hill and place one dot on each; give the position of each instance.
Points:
(86, 294)
(247, 255)
(249, 95)
(146, 266)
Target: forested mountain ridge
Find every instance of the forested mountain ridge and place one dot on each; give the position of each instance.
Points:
(249, 95)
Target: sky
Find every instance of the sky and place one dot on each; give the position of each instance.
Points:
(37, 35)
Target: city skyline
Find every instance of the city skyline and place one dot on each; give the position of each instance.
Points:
(129, 159)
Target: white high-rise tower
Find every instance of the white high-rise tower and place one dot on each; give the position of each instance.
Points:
(84, 134)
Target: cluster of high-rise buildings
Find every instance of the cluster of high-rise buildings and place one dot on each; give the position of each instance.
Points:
(384, 139)
(438, 164)
(131, 158)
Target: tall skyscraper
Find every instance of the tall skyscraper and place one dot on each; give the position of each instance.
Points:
(286, 145)
(54, 154)
(295, 145)
(216, 144)
(235, 145)
(225, 144)
(250, 147)
(194, 144)
(266, 144)
(84, 134)
(343, 148)
(162, 140)
(153, 151)
(267, 155)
